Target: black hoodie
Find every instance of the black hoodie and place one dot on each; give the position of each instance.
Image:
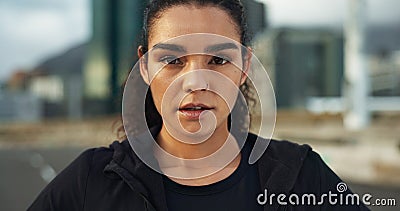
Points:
(115, 178)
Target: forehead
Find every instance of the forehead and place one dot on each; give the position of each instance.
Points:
(182, 20)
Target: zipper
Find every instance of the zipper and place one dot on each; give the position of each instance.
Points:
(148, 205)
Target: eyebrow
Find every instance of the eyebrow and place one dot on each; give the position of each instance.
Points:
(171, 47)
(212, 48)
(220, 47)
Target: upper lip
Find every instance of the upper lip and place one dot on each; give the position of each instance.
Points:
(193, 105)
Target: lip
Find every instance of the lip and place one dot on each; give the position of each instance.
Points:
(192, 105)
(193, 114)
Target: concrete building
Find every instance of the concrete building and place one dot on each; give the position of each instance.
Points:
(58, 83)
(308, 63)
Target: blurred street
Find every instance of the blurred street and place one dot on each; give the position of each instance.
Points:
(368, 160)
(26, 171)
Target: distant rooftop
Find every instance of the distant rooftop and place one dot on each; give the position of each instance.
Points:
(70, 61)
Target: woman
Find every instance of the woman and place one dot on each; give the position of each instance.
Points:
(201, 160)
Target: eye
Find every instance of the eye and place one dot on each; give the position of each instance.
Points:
(218, 60)
(170, 60)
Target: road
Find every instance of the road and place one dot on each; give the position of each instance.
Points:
(24, 172)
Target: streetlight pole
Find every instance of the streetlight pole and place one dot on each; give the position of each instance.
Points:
(356, 87)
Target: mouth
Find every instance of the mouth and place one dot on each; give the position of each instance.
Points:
(193, 111)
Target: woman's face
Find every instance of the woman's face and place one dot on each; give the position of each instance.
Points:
(184, 83)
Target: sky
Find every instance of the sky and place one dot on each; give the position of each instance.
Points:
(33, 30)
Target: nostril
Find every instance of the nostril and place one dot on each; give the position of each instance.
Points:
(206, 88)
(193, 82)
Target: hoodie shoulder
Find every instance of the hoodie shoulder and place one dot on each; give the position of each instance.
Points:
(67, 190)
(288, 153)
(280, 165)
(287, 167)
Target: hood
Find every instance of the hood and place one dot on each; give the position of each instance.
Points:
(140, 178)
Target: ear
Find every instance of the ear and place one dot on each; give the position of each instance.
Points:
(143, 65)
(246, 64)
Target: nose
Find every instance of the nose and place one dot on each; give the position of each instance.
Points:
(194, 78)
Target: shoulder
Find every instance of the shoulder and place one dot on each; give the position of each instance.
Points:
(288, 162)
(306, 166)
(67, 190)
(288, 153)
(318, 178)
(288, 167)
(310, 168)
(281, 163)
(317, 174)
(300, 156)
(280, 152)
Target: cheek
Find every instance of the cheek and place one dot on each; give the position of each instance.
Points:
(227, 90)
(236, 75)
(159, 88)
(233, 73)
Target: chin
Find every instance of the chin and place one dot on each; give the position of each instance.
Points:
(195, 132)
(191, 127)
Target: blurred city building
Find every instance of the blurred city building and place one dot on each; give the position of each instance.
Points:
(20, 107)
(58, 83)
(384, 60)
(306, 65)
(52, 89)
(309, 62)
(257, 16)
(16, 103)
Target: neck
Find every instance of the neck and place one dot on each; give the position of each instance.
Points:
(192, 151)
(194, 160)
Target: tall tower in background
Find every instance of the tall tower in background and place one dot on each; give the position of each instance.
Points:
(256, 13)
(112, 52)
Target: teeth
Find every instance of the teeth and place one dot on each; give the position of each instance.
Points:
(194, 108)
